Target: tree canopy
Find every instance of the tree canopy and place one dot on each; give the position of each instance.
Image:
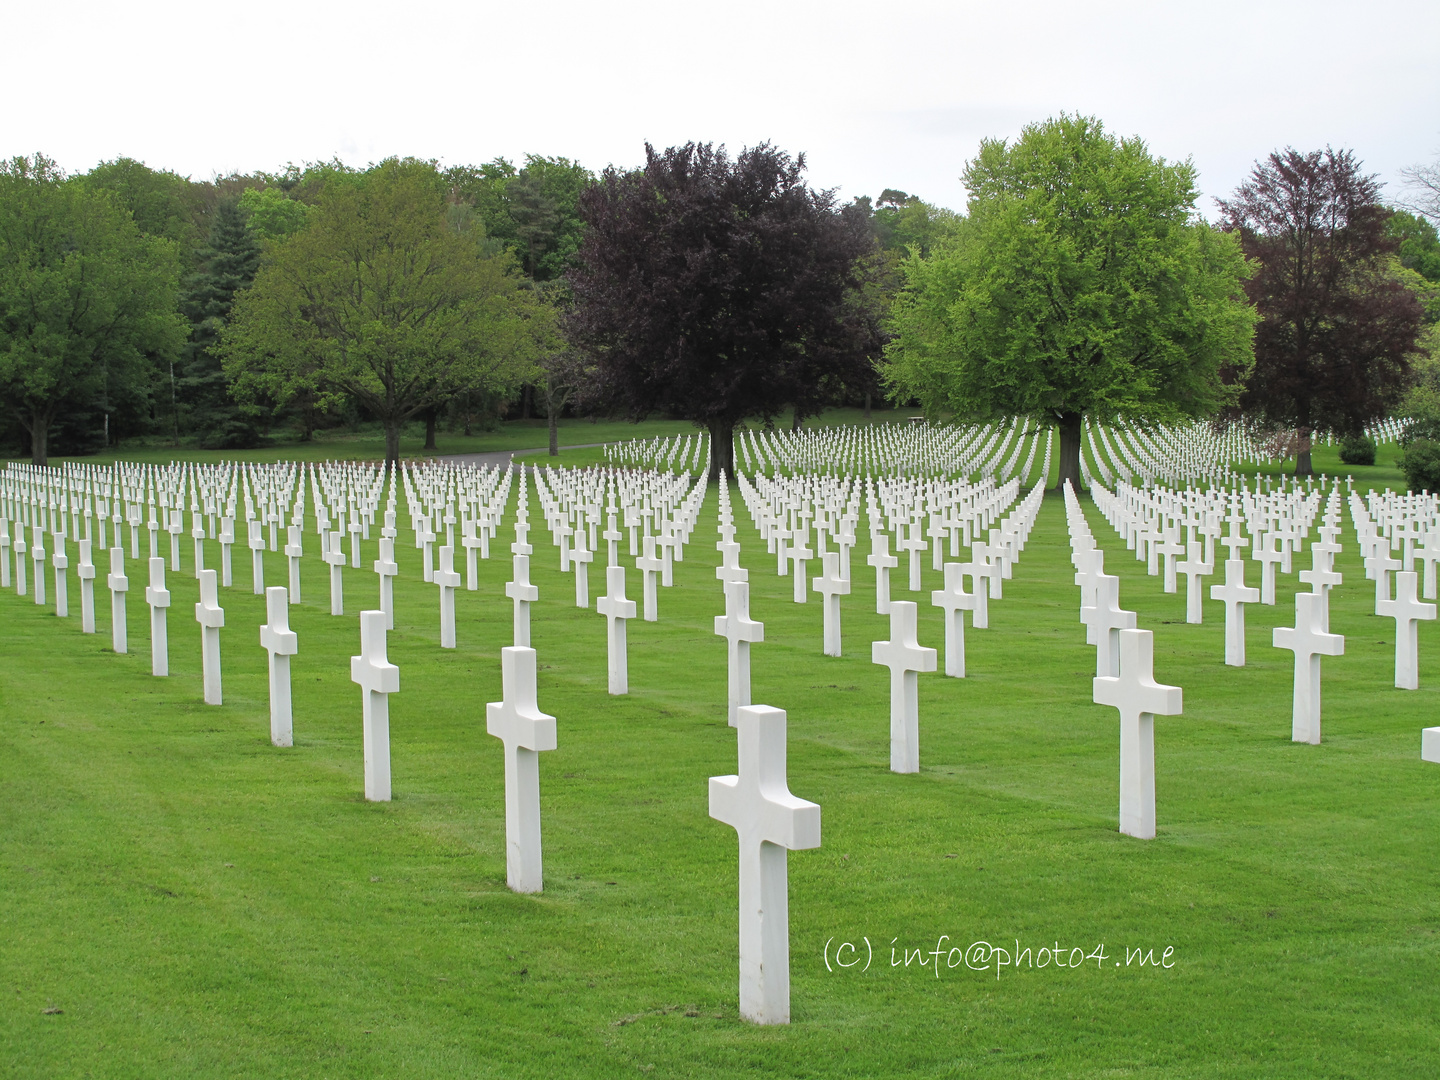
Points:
(381, 298)
(1338, 325)
(1081, 282)
(87, 302)
(717, 290)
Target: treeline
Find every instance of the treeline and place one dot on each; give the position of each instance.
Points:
(119, 286)
(1080, 281)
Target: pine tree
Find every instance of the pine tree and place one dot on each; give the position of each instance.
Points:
(227, 265)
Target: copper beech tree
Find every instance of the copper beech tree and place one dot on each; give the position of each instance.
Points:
(1337, 325)
(720, 290)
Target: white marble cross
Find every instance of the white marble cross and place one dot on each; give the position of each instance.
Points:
(37, 556)
(118, 585)
(580, 559)
(1269, 558)
(1406, 610)
(740, 631)
(955, 601)
(770, 821)
(20, 546)
(1321, 577)
(1169, 548)
(387, 569)
(1236, 594)
(524, 594)
(616, 609)
(905, 657)
(471, 539)
(1140, 699)
(257, 558)
(913, 545)
(377, 679)
(649, 566)
(1109, 619)
(1194, 568)
(227, 540)
(336, 560)
(526, 732)
(211, 618)
(1089, 565)
(60, 562)
(277, 639)
(448, 581)
(294, 551)
(1309, 643)
(85, 571)
(831, 587)
(883, 562)
(800, 554)
(1381, 565)
(978, 571)
(158, 597)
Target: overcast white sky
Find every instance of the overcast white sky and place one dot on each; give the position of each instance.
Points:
(875, 95)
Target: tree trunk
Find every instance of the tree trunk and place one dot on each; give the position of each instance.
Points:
(392, 444)
(40, 438)
(1302, 453)
(525, 395)
(1070, 450)
(722, 449)
(430, 417)
(554, 429)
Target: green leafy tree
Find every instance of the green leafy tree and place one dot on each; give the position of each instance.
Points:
(717, 290)
(1339, 325)
(381, 299)
(1418, 243)
(87, 301)
(162, 203)
(230, 262)
(1081, 283)
(271, 213)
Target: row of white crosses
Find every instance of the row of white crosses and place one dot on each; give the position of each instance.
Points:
(1401, 523)
(911, 449)
(1124, 673)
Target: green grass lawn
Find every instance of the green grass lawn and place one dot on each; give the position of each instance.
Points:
(181, 899)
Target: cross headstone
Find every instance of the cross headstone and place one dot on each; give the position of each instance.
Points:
(448, 581)
(978, 571)
(770, 821)
(883, 562)
(739, 631)
(524, 594)
(616, 609)
(85, 571)
(1406, 610)
(37, 556)
(60, 563)
(211, 618)
(905, 657)
(280, 642)
(800, 554)
(118, 585)
(158, 597)
(227, 541)
(1309, 643)
(377, 679)
(955, 601)
(580, 559)
(335, 558)
(1194, 568)
(649, 566)
(1109, 619)
(387, 569)
(257, 558)
(526, 732)
(1140, 699)
(1236, 595)
(294, 551)
(831, 587)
